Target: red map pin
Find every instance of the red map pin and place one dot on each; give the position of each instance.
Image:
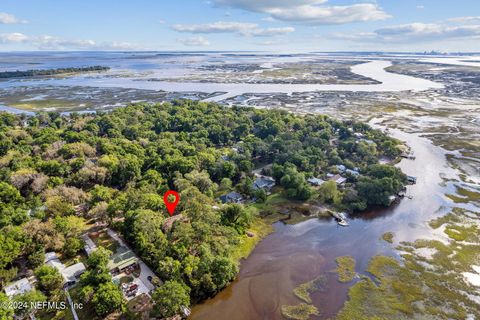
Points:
(171, 205)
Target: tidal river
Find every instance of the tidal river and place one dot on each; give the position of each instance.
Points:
(389, 82)
(297, 254)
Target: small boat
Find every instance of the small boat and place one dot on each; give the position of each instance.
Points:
(342, 215)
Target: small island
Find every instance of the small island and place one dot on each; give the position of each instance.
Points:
(50, 72)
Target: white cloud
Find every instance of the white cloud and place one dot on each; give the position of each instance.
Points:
(47, 42)
(310, 11)
(465, 20)
(245, 29)
(420, 7)
(414, 32)
(14, 37)
(195, 42)
(6, 18)
(215, 27)
(261, 5)
(268, 32)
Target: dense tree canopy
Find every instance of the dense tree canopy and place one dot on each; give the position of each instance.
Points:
(57, 171)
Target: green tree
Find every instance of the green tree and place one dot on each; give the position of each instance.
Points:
(28, 299)
(328, 192)
(72, 246)
(6, 313)
(11, 245)
(107, 299)
(170, 298)
(49, 279)
(235, 215)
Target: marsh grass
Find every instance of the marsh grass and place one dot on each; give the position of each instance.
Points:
(345, 268)
(418, 287)
(304, 290)
(301, 311)
(388, 237)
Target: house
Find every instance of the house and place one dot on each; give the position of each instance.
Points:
(341, 167)
(264, 183)
(18, 287)
(72, 273)
(52, 260)
(89, 246)
(333, 142)
(392, 199)
(232, 197)
(411, 179)
(339, 180)
(367, 141)
(353, 172)
(315, 182)
(121, 260)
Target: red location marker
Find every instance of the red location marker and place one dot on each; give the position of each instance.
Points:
(171, 205)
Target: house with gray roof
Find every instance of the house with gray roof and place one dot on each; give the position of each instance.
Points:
(18, 287)
(232, 197)
(72, 273)
(339, 180)
(263, 183)
(315, 181)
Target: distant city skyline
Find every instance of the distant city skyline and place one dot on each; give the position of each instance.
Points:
(243, 25)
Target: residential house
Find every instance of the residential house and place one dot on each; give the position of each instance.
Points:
(367, 141)
(353, 172)
(339, 180)
(232, 197)
(18, 287)
(264, 182)
(72, 273)
(412, 179)
(121, 260)
(315, 181)
(89, 246)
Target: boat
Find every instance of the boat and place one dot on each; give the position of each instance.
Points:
(340, 217)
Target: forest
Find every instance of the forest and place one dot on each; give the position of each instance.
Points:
(60, 174)
(49, 72)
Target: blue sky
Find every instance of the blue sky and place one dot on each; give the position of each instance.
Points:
(264, 25)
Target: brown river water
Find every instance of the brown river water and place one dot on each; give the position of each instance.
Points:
(295, 254)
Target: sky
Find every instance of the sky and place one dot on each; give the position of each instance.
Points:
(241, 25)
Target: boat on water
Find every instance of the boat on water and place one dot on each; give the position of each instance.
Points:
(341, 218)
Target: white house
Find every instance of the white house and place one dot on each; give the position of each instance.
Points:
(18, 287)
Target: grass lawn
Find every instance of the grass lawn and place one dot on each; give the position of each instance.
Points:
(102, 239)
(260, 230)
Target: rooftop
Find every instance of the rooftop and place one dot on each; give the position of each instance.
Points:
(122, 258)
(263, 182)
(18, 287)
(316, 181)
(72, 272)
(231, 197)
